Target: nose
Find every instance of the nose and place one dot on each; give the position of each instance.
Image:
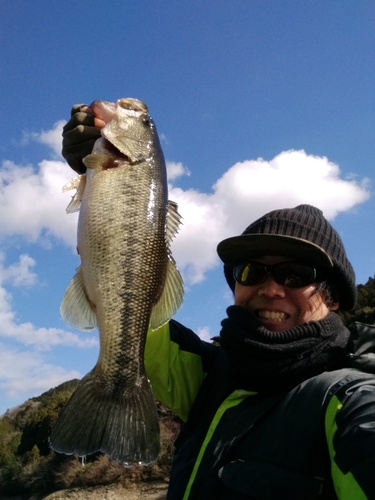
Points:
(270, 288)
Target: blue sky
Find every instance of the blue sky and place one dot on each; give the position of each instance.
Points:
(260, 104)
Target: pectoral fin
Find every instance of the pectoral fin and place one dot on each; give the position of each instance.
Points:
(79, 184)
(76, 309)
(96, 161)
(171, 298)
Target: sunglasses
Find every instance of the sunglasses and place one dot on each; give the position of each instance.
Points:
(289, 273)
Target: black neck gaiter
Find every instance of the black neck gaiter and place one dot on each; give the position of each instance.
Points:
(264, 360)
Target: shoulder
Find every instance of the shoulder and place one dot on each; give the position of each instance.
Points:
(189, 342)
(340, 384)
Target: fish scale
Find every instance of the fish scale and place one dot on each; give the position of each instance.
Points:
(127, 280)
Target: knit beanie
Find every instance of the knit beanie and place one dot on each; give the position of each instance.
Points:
(300, 233)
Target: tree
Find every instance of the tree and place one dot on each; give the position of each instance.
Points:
(364, 311)
(38, 427)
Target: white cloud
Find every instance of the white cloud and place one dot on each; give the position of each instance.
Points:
(25, 374)
(23, 371)
(52, 138)
(204, 333)
(26, 333)
(35, 206)
(291, 178)
(18, 274)
(33, 201)
(176, 169)
(247, 191)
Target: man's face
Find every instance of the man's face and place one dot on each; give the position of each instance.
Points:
(279, 307)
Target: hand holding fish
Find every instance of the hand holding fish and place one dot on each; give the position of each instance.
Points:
(79, 136)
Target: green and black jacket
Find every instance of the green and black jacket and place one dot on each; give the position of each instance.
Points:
(316, 441)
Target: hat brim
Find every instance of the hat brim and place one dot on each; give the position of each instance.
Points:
(239, 249)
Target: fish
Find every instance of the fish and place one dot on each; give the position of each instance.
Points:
(127, 282)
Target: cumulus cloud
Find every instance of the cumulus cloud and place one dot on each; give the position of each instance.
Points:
(31, 197)
(51, 138)
(23, 370)
(204, 333)
(35, 206)
(24, 374)
(33, 203)
(18, 274)
(248, 190)
(26, 333)
(176, 169)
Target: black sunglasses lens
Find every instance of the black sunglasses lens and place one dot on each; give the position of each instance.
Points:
(249, 274)
(290, 274)
(294, 274)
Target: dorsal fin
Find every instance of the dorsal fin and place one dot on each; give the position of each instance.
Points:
(173, 221)
(171, 297)
(173, 292)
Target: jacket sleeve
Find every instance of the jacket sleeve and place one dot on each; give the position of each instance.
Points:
(176, 362)
(350, 432)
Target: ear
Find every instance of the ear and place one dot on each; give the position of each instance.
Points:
(334, 306)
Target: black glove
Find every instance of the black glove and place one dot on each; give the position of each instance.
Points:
(79, 136)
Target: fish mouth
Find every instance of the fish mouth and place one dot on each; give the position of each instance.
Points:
(104, 110)
(276, 316)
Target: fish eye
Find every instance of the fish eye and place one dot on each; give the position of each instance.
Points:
(146, 120)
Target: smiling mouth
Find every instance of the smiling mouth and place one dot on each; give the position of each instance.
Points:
(271, 315)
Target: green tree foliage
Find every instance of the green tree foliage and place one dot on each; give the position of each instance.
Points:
(28, 466)
(37, 427)
(9, 442)
(61, 392)
(365, 308)
(24, 447)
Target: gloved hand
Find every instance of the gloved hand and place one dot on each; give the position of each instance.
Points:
(79, 136)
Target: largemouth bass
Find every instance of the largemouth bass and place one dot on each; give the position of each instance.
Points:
(127, 281)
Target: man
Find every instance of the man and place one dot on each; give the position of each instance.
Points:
(284, 406)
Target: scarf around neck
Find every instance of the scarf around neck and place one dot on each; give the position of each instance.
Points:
(264, 360)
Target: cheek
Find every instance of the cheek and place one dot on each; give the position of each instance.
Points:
(242, 294)
(312, 306)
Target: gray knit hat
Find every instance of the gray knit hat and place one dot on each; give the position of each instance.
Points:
(301, 233)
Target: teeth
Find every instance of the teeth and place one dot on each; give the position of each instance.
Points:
(272, 315)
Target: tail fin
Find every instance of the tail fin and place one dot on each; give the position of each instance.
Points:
(125, 429)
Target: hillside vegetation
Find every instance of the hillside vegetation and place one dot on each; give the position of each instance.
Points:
(365, 308)
(29, 467)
